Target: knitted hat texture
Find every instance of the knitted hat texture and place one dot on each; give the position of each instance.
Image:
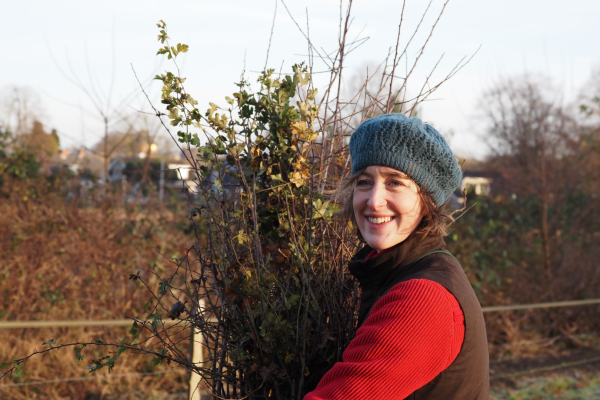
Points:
(407, 145)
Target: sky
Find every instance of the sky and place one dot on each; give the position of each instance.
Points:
(48, 45)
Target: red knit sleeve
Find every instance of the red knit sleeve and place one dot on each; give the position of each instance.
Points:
(412, 334)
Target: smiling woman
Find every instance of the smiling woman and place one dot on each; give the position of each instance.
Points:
(386, 206)
(421, 332)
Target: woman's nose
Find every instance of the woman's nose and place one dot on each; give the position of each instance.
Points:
(376, 198)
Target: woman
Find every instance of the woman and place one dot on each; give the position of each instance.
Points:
(421, 331)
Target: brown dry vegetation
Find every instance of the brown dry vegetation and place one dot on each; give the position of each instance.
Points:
(63, 261)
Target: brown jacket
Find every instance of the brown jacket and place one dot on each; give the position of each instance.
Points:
(467, 378)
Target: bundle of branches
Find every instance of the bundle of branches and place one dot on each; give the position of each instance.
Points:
(269, 263)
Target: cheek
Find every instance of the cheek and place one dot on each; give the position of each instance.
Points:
(411, 206)
(356, 203)
(418, 211)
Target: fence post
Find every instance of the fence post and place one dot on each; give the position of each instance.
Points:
(197, 357)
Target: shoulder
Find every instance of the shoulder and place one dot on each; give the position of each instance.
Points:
(413, 298)
(419, 289)
(444, 269)
(418, 317)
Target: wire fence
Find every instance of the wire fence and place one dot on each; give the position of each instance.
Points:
(569, 303)
(70, 324)
(92, 377)
(128, 322)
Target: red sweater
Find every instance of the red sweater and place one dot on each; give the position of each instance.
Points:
(412, 334)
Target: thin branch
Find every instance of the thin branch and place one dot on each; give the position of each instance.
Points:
(396, 56)
(270, 36)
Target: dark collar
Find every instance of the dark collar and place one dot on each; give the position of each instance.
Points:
(373, 272)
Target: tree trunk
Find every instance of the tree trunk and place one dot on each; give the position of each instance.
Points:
(105, 150)
(544, 222)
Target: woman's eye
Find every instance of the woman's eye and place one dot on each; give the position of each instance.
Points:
(395, 183)
(363, 182)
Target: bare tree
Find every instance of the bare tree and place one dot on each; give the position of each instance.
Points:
(111, 111)
(19, 108)
(531, 135)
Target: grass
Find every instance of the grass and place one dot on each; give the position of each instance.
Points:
(569, 386)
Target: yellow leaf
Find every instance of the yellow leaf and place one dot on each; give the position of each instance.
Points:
(298, 128)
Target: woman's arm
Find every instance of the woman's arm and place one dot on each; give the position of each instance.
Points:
(413, 333)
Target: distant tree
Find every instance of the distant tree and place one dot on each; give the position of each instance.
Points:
(533, 139)
(590, 110)
(590, 100)
(105, 108)
(589, 146)
(42, 143)
(15, 162)
(19, 108)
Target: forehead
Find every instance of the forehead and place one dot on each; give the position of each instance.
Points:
(375, 170)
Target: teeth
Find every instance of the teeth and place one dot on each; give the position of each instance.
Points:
(379, 220)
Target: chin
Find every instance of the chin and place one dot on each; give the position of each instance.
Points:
(381, 244)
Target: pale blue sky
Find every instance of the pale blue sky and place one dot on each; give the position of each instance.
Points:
(551, 38)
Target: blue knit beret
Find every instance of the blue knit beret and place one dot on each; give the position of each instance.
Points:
(407, 145)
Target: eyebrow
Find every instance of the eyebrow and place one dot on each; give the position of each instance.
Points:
(395, 173)
(399, 174)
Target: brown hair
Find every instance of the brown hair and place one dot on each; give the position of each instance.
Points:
(434, 222)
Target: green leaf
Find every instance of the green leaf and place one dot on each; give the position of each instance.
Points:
(195, 140)
(49, 342)
(17, 372)
(156, 361)
(293, 299)
(120, 351)
(156, 319)
(77, 351)
(6, 364)
(182, 48)
(134, 328)
(163, 286)
(148, 304)
(277, 178)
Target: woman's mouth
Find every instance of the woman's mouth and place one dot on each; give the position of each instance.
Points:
(379, 220)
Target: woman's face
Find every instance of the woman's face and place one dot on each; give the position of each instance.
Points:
(386, 205)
